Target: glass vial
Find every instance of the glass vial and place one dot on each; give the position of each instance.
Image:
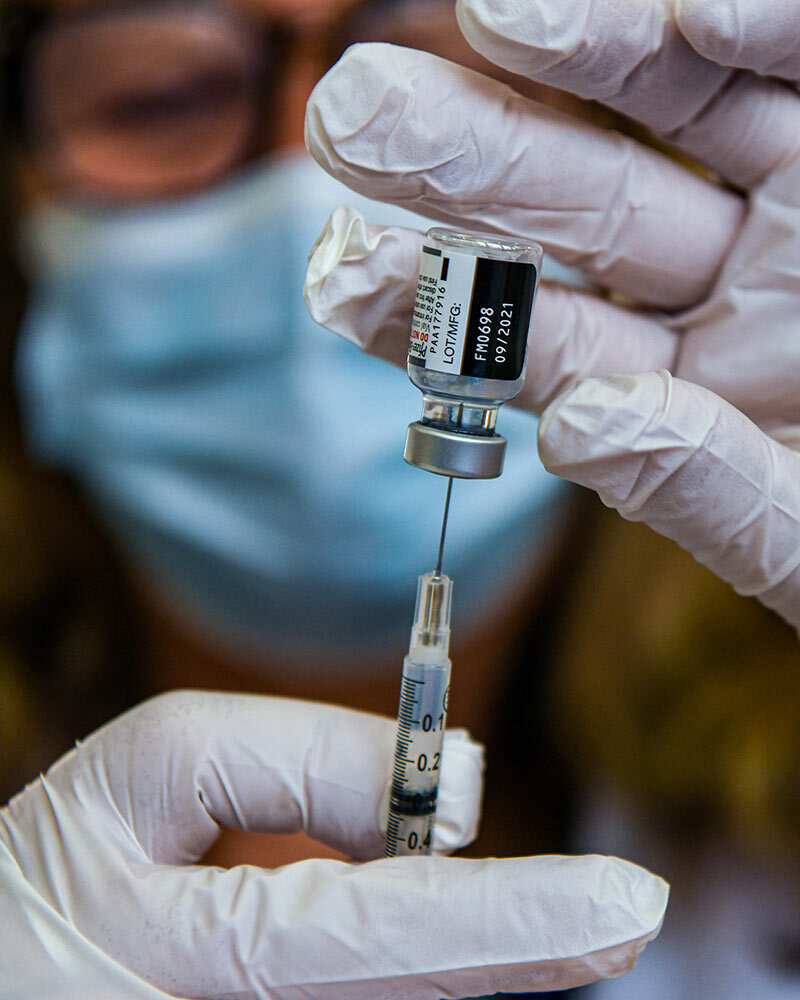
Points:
(468, 347)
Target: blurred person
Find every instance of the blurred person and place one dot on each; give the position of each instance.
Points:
(69, 656)
(150, 414)
(246, 467)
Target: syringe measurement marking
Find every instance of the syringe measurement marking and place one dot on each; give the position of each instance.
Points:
(407, 804)
(405, 714)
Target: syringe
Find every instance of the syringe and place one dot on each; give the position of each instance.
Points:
(422, 716)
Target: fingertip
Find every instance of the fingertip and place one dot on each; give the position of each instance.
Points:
(626, 896)
(460, 792)
(712, 29)
(357, 101)
(344, 99)
(598, 416)
(748, 34)
(527, 38)
(648, 894)
(344, 237)
(360, 282)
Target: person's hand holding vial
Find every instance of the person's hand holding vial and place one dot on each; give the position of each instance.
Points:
(689, 419)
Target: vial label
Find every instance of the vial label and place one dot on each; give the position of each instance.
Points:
(471, 315)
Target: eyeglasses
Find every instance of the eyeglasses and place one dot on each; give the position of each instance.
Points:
(145, 99)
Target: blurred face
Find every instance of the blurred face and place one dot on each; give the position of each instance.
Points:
(141, 100)
(129, 101)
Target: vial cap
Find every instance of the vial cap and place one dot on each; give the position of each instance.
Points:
(465, 456)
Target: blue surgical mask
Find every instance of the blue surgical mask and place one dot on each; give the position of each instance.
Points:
(249, 462)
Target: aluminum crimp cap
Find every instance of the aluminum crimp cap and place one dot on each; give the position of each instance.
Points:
(447, 453)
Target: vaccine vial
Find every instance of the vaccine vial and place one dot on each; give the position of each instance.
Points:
(468, 347)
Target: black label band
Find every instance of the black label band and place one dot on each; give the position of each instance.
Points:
(499, 317)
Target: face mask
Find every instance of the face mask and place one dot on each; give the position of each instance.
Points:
(249, 462)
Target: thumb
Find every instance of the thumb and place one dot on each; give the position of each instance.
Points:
(679, 458)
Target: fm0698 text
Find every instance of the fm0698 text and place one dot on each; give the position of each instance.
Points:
(484, 339)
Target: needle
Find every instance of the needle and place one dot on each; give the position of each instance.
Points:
(438, 569)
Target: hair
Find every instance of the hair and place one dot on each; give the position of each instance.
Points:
(68, 655)
(19, 24)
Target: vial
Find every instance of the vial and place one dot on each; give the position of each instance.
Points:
(468, 347)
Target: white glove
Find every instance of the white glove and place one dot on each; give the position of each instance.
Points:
(99, 897)
(409, 128)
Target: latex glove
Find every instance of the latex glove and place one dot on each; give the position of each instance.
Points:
(99, 896)
(413, 129)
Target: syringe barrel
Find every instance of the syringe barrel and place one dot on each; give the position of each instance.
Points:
(415, 781)
(421, 721)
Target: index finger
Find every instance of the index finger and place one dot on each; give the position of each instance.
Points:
(751, 34)
(654, 60)
(410, 128)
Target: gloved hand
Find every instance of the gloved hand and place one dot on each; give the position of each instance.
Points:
(713, 272)
(100, 896)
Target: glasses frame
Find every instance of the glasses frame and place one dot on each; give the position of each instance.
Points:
(23, 24)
